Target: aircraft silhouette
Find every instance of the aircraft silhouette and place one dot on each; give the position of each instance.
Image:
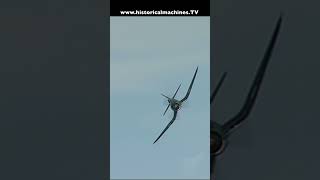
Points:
(221, 132)
(176, 104)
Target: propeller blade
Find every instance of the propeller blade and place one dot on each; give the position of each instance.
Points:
(166, 109)
(176, 92)
(215, 92)
(165, 96)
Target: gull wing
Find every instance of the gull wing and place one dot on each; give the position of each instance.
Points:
(230, 125)
(173, 119)
(190, 87)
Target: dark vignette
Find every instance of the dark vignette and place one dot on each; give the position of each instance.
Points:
(54, 95)
(279, 140)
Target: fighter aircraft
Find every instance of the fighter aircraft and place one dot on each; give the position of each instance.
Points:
(221, 132)
(176, 104)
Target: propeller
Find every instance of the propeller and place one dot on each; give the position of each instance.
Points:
(170, 99)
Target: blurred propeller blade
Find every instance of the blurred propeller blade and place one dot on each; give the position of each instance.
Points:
(176, 92)
(215, 92)
(166, 109)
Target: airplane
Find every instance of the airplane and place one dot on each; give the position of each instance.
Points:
(221, 132)
(176, 104)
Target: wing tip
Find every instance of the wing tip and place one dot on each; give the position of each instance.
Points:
(224, 74)
(156, 140)
(280, 19)
(195, 73)
(281, 15)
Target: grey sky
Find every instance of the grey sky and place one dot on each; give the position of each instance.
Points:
(149, 56)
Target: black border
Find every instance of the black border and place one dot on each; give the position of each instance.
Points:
(54, 74)
(166, 5)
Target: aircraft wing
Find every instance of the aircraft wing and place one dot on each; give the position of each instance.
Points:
(173, 119)
(230, 125)
(190, 87)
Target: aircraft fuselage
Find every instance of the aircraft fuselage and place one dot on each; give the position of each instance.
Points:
(174, 104)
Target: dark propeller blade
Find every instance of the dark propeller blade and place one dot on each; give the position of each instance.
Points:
(190, 87)
(166, 109)
(173, 119)
(168, 104)
(215, 92)
(165, 96)
(169, 98)
(230, 125)
(176, 92)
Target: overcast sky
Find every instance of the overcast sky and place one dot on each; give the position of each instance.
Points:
(149, 56)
